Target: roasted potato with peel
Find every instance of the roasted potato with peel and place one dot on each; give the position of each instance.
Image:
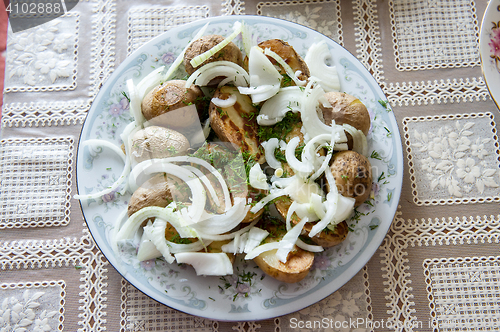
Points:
(160, 190)
(157, 142)
(298, 262)
(230, 52)
(353, 175)
(290, 56)
(237, 124)
(167, 105)
(346, 109)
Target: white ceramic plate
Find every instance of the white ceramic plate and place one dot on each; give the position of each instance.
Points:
(248, 294)
(489, 40)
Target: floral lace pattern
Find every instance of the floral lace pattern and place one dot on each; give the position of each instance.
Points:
(33, 307)
(322, 16)
(35, 175)
(43, 58)
(451, 159)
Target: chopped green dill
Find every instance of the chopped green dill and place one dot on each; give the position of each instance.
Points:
(286, 80)
(372, 227)
(221, 112)
(108, 168)
(384, 103)
(389, 196)
(381, 177)
(280, 155)
(180, 240)
(375, 155)
(125, 95)
(345, 177)
(211, 298)
(281, 129)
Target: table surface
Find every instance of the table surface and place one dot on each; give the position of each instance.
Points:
(436, 270)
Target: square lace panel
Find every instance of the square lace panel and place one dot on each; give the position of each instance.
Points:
(43, 58)
(146, 23)
(431, 281)
(141, 313)
(35, 182)
(349, 308)
(322, 16)
(434, 34)
(464, 287)
(453, 159)
(33, 306)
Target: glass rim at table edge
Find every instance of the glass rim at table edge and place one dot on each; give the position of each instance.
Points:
(487, 17)
(347, 274)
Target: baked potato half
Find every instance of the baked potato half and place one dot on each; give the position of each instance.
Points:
(237, 124)
(298, 262)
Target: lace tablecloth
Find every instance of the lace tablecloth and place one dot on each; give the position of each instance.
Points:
(438, 267)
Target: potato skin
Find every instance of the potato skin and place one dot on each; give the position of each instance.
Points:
(298, 262)
(353, 175)
(237, 124)
(230, 52)
(157, 142)
(160, 191)
(289, 55)
(346, 109)
(171, 96)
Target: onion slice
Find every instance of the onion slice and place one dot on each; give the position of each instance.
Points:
(206, 73)
(198, 195)
(135, 103)
(265, 79)
(257, 178)
(316, 59)
(275, 108)
(207, 264)
(224, 103)
(222, 223)
(269, 147)
(198, 60)
(173, 67)
(289, 71)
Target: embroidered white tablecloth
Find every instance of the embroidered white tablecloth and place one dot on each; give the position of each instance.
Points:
(438, 267)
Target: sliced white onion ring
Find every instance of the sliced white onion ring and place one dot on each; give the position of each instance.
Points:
(269, 147)
(316, 59)
(275, 108)
(198, 60)
(224, 103)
